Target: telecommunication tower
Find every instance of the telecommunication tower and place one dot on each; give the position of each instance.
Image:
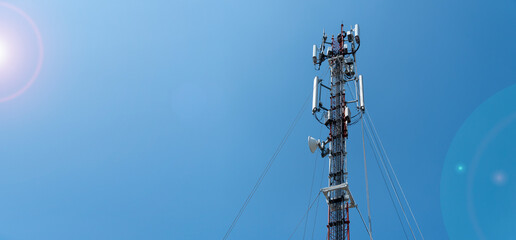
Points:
(340, 54)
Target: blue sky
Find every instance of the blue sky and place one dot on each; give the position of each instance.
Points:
(153, 119)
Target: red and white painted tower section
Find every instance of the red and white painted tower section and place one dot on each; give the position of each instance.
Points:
(344, 109)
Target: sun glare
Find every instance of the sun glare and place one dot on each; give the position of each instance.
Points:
(14, 58)
(3, 53)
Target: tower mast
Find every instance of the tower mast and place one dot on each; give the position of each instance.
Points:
(341, 59)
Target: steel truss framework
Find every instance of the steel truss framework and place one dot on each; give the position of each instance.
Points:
(341, 60)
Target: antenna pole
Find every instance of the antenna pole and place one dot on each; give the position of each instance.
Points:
(338, 171)
(342, 64)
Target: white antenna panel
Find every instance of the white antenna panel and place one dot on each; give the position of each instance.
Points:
(357, 30)
(347, 114)
(361, 92)
(314, 54)
(315, 99)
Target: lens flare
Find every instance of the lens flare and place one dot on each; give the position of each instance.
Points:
(460, 168)
(3, 53)
(499, 178)
(5, 56)
(477, 184)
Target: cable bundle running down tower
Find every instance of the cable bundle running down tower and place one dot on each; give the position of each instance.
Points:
(340, 54)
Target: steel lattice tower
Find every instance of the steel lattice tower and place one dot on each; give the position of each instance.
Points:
(338, 225)
(341, 60)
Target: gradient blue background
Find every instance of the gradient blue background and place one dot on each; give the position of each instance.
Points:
(153, 119)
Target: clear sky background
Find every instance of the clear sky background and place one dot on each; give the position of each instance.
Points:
(153, 119)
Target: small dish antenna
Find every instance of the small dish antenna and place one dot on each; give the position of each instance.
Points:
(313, 144)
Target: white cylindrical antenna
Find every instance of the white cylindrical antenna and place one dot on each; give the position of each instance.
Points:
(315, 100)
(347, 114)
(357, 33)
(361, 92)
(314, 55)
